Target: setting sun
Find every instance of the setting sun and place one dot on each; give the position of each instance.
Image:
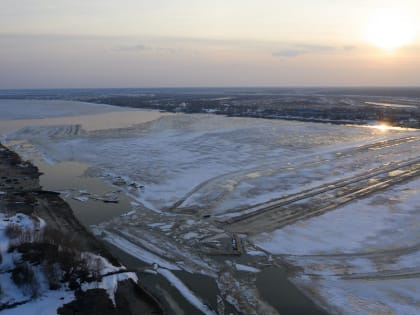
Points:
(390, 29)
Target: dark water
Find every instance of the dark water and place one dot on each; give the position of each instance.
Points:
(279, 292)
(69, 175)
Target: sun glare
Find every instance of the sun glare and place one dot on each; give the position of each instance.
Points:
(391, 28)
(382, 127)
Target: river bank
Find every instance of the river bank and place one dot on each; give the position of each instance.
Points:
(21, 195)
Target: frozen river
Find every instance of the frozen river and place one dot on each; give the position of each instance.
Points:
(178, 176)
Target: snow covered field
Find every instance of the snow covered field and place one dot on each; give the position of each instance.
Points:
(385, 221)
(183, 168)
(361, 258)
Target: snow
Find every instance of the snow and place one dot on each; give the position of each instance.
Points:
(180, 286)
(49, 300)
(127, 214)
(10, 292)
(25, 222)
(105, 265)
(361, 258)
(47, 304)
(138, 252)
(110, 283)
(369, 296)
(256, 253)
(161, 225)
(212, 162)
(382, 221)
(218, 165)
(190, 235)
(246, 268)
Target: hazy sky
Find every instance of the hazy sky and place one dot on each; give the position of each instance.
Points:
(139, 43)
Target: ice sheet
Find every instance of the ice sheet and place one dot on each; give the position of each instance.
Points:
(208, 161)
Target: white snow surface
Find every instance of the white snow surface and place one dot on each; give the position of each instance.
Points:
(138, 252)
(369, 296)
(362, 258)
(127, 214)
(211, 162)
(246, 268)
(384, 221)
(47, 304)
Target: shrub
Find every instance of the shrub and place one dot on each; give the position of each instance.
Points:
(59, 255)
(19, 235)
(53, 274)
(74, 285)
(13, 230)
(56, 237)
(24, 277)
(22, 274)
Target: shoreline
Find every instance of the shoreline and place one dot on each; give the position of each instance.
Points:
(22, 193)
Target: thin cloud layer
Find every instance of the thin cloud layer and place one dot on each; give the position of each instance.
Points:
(302, 49)
(138, 47)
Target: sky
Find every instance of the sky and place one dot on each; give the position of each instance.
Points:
(178, 43)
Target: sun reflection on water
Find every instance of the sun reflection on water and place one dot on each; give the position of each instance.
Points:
(384, 127)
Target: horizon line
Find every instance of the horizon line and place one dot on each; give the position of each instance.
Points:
(215, 87)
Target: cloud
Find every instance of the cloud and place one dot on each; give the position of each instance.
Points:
(349, 47)
(288, 53)
(143, 48)
(138, 47)
(302, 49)
(166, 50)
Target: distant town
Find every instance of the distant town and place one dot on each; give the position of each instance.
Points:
(397, 107)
